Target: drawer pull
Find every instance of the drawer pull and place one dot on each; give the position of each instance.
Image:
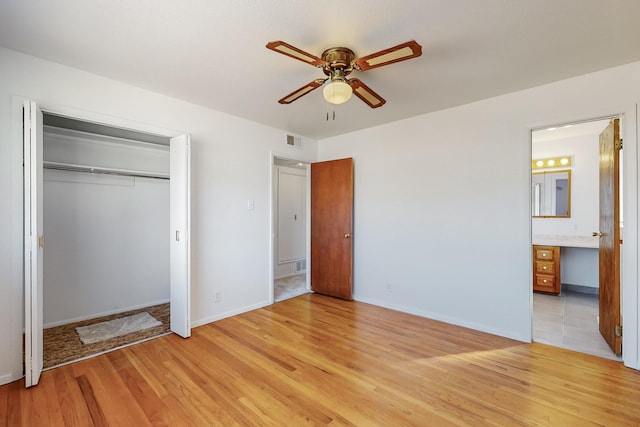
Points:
(544, 281)
(544, 268)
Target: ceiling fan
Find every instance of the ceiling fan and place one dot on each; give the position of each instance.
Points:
(337, 63)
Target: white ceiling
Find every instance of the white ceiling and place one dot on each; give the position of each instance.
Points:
(212, 53)
(573, 130)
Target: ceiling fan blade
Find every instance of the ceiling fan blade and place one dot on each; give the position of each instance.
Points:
(294, 52)
(365, 93)
(298, 93)
(402, 52)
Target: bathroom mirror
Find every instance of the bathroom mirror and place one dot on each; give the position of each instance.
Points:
(551, 194)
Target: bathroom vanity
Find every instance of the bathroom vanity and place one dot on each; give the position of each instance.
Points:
(547, 252)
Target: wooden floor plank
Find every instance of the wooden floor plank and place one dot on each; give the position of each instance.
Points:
(315, 360)
(69, 398)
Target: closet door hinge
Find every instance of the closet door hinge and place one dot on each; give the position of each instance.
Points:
(618, 144)
(618, 330)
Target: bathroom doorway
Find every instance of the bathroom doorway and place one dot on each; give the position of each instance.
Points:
(568, 315)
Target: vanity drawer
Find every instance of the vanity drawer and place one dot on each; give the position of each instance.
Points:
(544, 253)
(545, 267)
(545, 283)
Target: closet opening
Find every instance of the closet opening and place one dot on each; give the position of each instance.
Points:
(107, 253)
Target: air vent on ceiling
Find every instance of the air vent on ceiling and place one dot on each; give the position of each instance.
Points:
(294, 141)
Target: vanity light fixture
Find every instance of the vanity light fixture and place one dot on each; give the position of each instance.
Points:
(553, 162)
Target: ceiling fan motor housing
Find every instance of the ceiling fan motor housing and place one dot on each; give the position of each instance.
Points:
(338, 58)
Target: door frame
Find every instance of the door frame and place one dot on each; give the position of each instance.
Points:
(629, 253)
(272, 229)
(98, 118)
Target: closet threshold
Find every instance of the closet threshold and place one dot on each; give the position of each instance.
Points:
(101, 170)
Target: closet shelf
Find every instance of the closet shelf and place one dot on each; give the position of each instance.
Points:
(102, 170)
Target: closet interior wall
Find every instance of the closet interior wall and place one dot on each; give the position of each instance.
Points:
(106, 222)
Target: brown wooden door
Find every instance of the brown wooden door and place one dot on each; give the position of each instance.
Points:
(332, 227)
(610, 235)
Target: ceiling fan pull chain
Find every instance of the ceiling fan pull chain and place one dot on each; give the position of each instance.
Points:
(333, 114)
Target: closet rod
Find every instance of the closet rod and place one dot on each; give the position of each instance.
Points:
(105, 171)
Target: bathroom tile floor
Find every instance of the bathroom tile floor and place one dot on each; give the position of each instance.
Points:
(570, 321)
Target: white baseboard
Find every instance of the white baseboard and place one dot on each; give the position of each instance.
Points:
(104, 313)
(9, 378)
(211, 319)
(445, 319)
(291, 275)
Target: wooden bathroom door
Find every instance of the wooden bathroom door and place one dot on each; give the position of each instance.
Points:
(609, 251)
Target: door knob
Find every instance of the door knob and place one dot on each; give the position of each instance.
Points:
(347, 235)
(597, 234)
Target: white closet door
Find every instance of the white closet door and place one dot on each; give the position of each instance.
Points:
(180, 225)
(33, 242)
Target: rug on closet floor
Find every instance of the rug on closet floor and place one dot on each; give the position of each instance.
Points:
(102, 331)
(62, 344)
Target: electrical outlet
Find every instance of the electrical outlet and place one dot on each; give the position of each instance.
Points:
(217, 296)
(387, 287)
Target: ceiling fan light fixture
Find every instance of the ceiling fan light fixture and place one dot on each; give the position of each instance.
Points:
(337, 92)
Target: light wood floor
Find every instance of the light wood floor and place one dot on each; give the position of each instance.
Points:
(314, 360)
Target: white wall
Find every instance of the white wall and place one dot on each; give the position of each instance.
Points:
(231, 161)
(580, 266)
(107, 245)
(442, 203)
